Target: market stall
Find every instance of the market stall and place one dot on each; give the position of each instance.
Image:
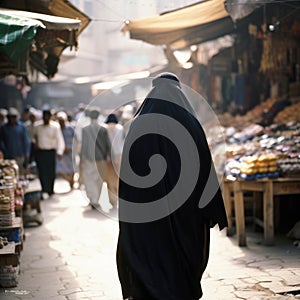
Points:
(11, 223)
(269, 188)
(264, 160)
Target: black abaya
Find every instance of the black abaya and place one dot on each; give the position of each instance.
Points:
(164, 256)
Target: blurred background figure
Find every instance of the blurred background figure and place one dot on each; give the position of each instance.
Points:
(3, 114)
(29, 125)
(66, 166)
(116, 135)
(25, 114)
(81, 121)
(127, 115)
(80, 113)
(49, 144)
(94, 157)
(15, 143)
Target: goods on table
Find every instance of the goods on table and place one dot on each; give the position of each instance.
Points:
(3, 241)
(7, 205)
(277, 107)
(253, 167)
(11, 231)
(9, 168)
(289, 114)
(254, 116)
(9, 264)
(9, 276)
(289, 167)
(273, 152)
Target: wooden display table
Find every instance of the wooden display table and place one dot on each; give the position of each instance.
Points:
(269, 188)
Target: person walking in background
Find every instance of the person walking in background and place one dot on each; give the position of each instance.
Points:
(3, 114)
(29, 125)
(81, 112)
(82, 121)
(25, 114)
(164, 237)
(65, 166)
(49, 144)
(116, 135)
(15, 143)
(94, 155)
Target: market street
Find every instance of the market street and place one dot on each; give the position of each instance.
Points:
(72, 256)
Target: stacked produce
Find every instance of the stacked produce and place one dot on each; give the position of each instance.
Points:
(7, 205)
(253, 167)
(9, 276)
(10, 192)
(268, 153)
(9, 168)
(254, 116)
(290, 167)
(266, 113)
(289, 114)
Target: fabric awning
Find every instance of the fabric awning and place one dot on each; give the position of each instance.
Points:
(60, 8)
(180, 28)
(63, 21)
(16, 35)
(48, 39)
(49, 22)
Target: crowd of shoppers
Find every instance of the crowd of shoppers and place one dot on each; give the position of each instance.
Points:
(164, 228)
(76, 146)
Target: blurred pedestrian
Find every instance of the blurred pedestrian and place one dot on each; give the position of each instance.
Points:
(116, 135)
(65, 166)
(49, 144)
(94, 155)
(29, 125)
(82, 121)
(3, 114)
(15, 143)
(25, 114)
(126, 116)
(164, 237)
(81, 111)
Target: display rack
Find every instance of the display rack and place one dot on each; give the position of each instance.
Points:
(269, 188)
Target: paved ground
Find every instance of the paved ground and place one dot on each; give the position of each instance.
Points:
(72, 256)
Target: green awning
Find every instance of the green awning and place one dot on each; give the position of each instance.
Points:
(49, 35)
(16, 34)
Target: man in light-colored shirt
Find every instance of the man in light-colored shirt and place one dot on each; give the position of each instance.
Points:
(49, 143)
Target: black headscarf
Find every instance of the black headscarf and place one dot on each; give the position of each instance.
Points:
(163, 249)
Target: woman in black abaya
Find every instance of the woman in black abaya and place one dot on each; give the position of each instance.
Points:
(169, 198)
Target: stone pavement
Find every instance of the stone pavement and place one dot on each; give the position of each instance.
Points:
(72, 256)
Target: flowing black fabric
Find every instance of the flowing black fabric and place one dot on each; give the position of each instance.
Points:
(165, 258)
